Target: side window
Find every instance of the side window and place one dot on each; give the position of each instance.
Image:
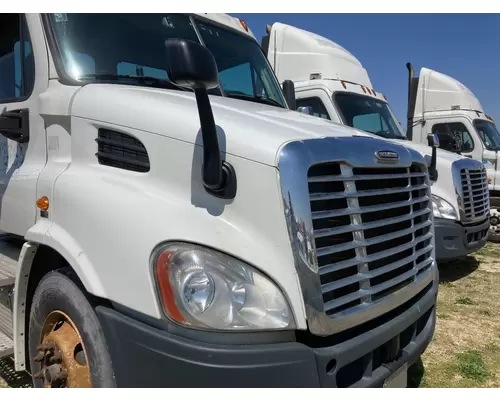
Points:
(316, 104)
(454, 136)
(17, 68)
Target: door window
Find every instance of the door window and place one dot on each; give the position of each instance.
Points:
(17, 70)
(316, 104)
(454, 136)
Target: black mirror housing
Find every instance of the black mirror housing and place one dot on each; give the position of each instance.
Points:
(433, 140)
(289, 93)
(15, 125)
(191, 65)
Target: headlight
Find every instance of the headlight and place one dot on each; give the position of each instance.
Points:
(442, 209)
(207, 289)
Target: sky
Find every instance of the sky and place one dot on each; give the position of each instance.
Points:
(463, 46)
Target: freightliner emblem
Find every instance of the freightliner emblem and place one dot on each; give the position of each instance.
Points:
(387, 156)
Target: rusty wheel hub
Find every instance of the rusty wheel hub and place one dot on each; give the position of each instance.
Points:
(61, 354)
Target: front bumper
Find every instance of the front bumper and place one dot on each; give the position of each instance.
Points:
(454, 240)
(144, 356)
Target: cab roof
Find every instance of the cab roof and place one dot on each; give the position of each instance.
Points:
(300, 55)
(440, 92)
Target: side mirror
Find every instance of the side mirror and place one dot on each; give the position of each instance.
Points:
(15, 125)
(449, 142)
(289, 93)
(305, 110)
(191, 65)
(433, 141)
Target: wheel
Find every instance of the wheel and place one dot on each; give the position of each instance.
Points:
(494, 231)
(67, 347)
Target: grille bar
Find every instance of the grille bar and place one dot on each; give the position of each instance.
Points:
(373, 274)
(368, 242)
(369, 292)
(332, 196)
(370, 225)
(335, 178)
(383, 254)
(374, 208)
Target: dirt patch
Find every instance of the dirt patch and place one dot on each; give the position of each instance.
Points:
(465, 350)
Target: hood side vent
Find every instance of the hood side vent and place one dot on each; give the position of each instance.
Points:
(119, 150)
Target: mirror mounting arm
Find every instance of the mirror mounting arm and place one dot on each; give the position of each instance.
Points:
(212, 172)
(15, 125)
(219, 177)
(433, 141)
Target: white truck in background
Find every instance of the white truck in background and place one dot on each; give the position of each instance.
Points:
(168, 221)
(442, 105)
(332, 84)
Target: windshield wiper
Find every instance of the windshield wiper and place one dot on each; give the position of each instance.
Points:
(256, 99)
(389, 135)
(156, 82)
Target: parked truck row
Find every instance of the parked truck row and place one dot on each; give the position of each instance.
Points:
(168, 218)
(333, 84)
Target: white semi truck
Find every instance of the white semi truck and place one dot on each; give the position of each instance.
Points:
(331, 83)
(439, 104)
(168, 221)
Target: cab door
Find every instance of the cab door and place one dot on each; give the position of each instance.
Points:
(461, 129)
(23, 76)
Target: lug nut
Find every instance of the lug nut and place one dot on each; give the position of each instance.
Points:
(38, 375)
(61, 375)
(39, 357)
(46, 346)
(56, 359)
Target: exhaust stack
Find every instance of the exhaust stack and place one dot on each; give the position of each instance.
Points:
(412, 97)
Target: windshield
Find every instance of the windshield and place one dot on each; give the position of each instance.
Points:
(368, 114)
(120, 48)
(488, 133)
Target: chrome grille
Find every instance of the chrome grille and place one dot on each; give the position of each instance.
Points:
(372, 231)
(476, 197)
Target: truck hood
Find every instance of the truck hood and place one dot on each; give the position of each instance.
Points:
(246, 129)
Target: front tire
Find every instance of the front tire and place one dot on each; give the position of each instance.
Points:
(494, 231)
(67, 347)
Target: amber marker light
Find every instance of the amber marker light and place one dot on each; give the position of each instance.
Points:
(43, 203)
(244, 25)
(167, 292)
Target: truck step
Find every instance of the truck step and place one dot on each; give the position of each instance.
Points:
(6, 342)
(9, 255)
